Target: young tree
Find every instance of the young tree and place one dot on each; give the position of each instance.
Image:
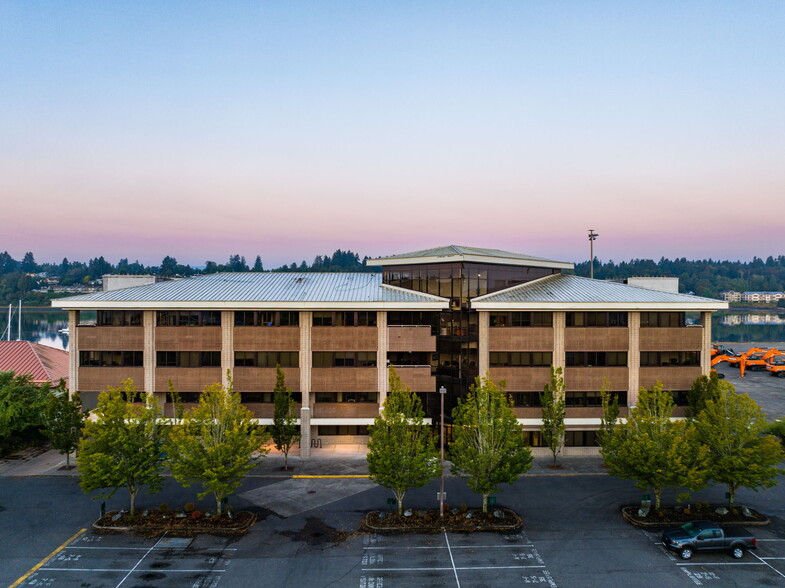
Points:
(488, 447)
(610, 415)
(122, 447)
(553, 412)
(63, 421)
(284, 430)
(703, 389)
(401, 449)
(215, 444)
(733, 428)
(653, 450)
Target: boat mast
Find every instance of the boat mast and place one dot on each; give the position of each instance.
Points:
(8, 337)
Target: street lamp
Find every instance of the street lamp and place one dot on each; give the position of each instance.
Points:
(442, 392)
(592, 237)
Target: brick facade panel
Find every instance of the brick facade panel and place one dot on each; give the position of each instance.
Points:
(520, 339)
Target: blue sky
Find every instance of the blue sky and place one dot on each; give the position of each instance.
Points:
(198, 130)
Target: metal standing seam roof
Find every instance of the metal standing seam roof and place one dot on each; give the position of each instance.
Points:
(262, 287)
(43, 363)
(460, 252)
(564, 289)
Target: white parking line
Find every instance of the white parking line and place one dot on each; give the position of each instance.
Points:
(117, 570)
(452, 561)
(506, 546)
(462, 568)
(720, 563)
(771, 566)
(137, 564)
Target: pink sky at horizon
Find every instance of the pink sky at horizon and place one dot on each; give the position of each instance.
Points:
(199, 131)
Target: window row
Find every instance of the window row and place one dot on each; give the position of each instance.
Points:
(596, 319)
(595, 358)
(577, 398)
(266, 359)
(111, 358)
(521, 358)
(119, 318)
(188, 318)
(663, 319)
(344, 359)
(188, 359)
(670, 358)
(360, 318)
(245, 397)
(266, 318)
(521, 319)
(346, 397)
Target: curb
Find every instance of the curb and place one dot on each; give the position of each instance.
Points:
(177, 529)
(643, 524)
(440, 528)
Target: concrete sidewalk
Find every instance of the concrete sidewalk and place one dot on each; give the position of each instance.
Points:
(333, 460)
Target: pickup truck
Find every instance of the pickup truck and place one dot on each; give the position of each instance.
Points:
(707, 536)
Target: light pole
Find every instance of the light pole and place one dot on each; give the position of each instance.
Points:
(442, 392)
(592, 237)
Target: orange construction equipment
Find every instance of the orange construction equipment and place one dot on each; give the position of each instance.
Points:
(777, 368)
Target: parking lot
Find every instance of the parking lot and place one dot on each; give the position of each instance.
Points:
(91, 559)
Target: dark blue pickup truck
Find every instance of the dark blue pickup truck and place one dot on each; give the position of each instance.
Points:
(707, 536)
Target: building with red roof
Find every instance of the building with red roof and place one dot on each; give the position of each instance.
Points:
(43, 363)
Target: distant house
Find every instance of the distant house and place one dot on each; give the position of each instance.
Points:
(730, 296)
(762, 296)
(43, 363)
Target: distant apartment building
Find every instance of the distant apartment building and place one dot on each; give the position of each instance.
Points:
(762, 296)
(730, 296)
(441, 317)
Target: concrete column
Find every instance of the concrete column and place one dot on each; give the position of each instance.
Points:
(227, 346)
(382, 347)
(484, 354)
(559, 324)
(633, 358)
(306, 362)
(706, 343)
(148, 322)
(73, 352)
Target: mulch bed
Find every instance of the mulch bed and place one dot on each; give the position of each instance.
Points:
(678, 515)
(155, 522)
(429, 521)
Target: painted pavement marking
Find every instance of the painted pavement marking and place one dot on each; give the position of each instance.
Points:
(46, 559)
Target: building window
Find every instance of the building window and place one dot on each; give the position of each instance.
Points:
(580, 439)
(596, 319)
(680, 397)
(406, 318)
(344, 359)
(533, 438)
(371, 397)
(521, 319)
(266, 318)
(188, 318)
(184, 397)
(359, 318)
(421, 358)
(521, 358)
(663, 319)
(596, 358)
(191, 359)
(266, 359)
(670, 358)
(266, 397)
(525, 399)
(592, 398)
(119, 318)
(331, 430)
(111, 358)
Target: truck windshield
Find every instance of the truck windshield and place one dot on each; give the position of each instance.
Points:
(690, 529)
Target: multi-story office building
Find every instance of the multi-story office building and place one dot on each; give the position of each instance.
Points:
(441, 317)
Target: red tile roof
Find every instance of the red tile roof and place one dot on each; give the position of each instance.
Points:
(45, 364)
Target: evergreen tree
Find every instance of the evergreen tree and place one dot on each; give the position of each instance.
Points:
(488, 448)
(122, 447)
(257, 266)
(284, 430)
(401, 449)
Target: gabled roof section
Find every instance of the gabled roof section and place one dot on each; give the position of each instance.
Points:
(43, 363)
(262, 290)
(451, 253)
(568, 292)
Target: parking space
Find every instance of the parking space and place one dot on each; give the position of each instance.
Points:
(450, 559)
(121, 560)
(763, 566)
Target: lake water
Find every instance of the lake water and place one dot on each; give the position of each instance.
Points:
(43, 326)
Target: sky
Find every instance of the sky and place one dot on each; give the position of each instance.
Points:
(290, 129)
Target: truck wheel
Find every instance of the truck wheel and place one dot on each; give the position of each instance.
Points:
(781, 374)
(685, 552)
(737, 552)
(721, 375)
